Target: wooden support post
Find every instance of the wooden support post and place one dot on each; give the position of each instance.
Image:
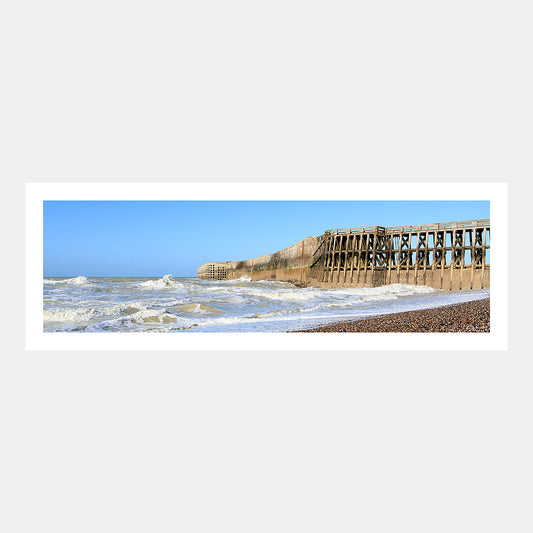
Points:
(443, 262)
(346, 258)
(462, 256)
(359, 248)
(327, 260)
(409, 258)
(399, 257)
(471, 233)
(339, 240)
(366, 256)
(483, 254)
(417, 253)
(426, 258)
(373, 260)
(353, 258)
(327, 265)
(389, 256)
(452, 266)
(434, 257)
(331, 259)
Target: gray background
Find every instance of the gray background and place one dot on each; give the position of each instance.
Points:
(265, 441)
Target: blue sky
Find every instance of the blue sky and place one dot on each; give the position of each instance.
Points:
(94, 238)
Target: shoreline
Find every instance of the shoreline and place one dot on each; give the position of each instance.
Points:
(466, 317)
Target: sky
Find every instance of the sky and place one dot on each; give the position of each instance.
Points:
(154, 238)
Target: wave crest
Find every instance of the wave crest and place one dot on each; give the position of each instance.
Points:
(80, 280)
(163, 283)
(82, 314)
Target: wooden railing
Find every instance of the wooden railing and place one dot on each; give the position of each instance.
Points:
(412, 229)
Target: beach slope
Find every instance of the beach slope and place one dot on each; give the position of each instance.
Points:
(468, 317)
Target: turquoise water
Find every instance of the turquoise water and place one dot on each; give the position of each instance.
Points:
(171, 304)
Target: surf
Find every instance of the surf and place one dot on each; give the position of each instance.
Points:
(177, 304)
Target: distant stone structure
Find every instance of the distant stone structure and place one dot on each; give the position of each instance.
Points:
(451, 256)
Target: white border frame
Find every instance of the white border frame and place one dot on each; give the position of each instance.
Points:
(37, 193)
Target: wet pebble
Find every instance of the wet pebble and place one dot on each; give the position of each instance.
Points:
(467, 317)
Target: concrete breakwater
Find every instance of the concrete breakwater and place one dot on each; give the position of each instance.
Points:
(290, 264)
(452, 255)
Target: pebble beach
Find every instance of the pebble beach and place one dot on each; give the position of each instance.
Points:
(467, 317)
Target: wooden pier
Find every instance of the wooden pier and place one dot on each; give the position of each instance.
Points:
(443, 256)
(449, 256)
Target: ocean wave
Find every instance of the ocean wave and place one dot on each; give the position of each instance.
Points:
(148, 318)
(165, 282)
(295, 294)
(284, 294)
(195, 309)
(80, 280)
(83, 314)
(168, 304)
(395, 288)
(237, 280)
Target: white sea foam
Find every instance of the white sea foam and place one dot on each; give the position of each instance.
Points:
(80, 280)
(291, 295)
(146, 319)
(195, 309)
(365, 293)
(395, 288)
(244, 278)
(169, 304)
(165, 282)
(82, 314)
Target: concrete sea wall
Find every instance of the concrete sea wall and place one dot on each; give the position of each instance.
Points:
(453, 256)
(290, 264)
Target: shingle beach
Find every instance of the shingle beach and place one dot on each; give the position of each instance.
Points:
(468, 317)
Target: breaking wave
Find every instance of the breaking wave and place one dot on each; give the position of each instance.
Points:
(81, 314)
(195, 309)
(164, 283)
(80, 280)
(190, 304)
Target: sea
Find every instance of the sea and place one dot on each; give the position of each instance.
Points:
(181, 304)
